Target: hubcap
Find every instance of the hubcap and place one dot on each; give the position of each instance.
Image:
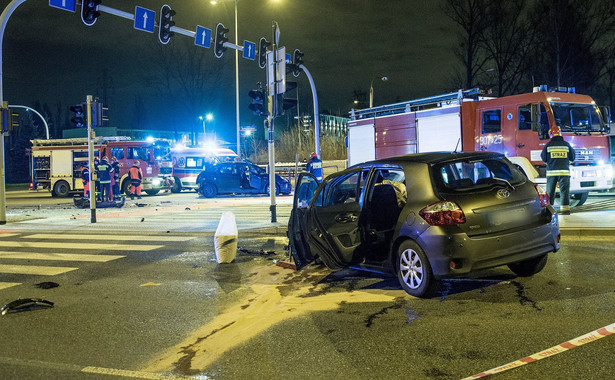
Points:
(411, 268)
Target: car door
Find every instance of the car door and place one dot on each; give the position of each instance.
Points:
(256, 178)
(226, 178)
(305, 188)
(329, 226)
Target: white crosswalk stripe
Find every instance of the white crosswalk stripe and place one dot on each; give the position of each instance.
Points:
(21, 248)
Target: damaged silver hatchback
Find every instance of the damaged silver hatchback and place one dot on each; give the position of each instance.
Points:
(424, 217)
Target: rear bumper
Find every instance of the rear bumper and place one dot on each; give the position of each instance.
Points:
(475, 253)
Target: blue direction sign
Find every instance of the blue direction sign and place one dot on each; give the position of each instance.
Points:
(288, 59)
(202, 37)
(249, 50)
(144, 19)
(67, 5)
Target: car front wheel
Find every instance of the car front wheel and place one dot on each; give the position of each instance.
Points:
(277, 189)
(529, 267)
(209, 190)
(413, 270)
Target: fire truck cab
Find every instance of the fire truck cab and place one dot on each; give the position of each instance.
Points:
(56, 164)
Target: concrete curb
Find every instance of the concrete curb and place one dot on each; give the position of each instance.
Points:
(601, 232)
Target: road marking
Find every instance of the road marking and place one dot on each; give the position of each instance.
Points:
(7, 234)
(59, 256)
(569, 345)
(135, 374)
(80, 246)
(4, 285)
(108, 237)
(32, 269)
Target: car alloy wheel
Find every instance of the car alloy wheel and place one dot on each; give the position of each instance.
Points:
(413, 269)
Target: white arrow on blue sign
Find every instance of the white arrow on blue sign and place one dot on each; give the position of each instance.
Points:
(249, 50)
(67, 5)
(144, 19)
(202, 37)
(288, 59)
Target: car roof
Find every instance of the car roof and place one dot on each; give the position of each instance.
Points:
(432, 158)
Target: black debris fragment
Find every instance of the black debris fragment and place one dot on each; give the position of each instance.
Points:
(253, 252)
(187, 209)
(25, 304)
(142, 219)
(47, 285)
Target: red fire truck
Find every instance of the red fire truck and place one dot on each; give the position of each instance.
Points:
(515, 125)
(56, 163)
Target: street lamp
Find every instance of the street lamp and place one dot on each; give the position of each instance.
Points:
(208, 117)
(214, 2)
(371, 89)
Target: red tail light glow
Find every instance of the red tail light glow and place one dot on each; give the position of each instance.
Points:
(542, 195)
(444, 213)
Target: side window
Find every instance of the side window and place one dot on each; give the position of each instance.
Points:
(492, 121)
(138, 153)
(525, 117)
(346, 189)
(117, 153)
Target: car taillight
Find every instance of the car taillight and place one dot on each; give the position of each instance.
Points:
(542, 195)
(444, 213)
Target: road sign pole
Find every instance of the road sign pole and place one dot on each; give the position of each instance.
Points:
(92, 170)
(271, 120)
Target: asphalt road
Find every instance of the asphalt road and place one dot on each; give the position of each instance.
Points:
(148, 305)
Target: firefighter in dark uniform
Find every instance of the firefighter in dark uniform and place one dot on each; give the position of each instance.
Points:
(105, 171)
(115, 180)
(314, 166)
(558, 155)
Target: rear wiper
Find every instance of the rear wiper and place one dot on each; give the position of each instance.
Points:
(505, 181)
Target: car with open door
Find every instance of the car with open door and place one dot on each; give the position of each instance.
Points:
(238, 177)
(424, 217)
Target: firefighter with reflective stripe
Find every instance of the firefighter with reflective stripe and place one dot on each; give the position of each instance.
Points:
(314, 166)
(85, 178)
(558, 155)
(136, 176)
(115, 179)
(105, 171)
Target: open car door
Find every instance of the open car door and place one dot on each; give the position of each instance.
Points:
(329, 225)
(305, 188)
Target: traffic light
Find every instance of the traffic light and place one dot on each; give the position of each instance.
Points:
(219, 40)
(80, 118)
(165, 23)
(258, 106)
(263, 44)
(98, 114)
(89, 11)
(6, 119)
(297, 61)
(284, 103)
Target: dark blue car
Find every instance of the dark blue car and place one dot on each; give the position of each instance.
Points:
(238, 178)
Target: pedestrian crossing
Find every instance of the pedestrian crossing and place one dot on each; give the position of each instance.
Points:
(33, 254)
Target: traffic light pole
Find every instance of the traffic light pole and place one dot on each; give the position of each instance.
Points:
(273, 109)
(316, 117)
(92, 179)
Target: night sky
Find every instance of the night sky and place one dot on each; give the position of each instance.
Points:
(52, 58)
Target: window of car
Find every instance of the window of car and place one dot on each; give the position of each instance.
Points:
(257, 170)
(138, 153)
(226, 169)
(117, 153)
(472, 174)
(346, 188)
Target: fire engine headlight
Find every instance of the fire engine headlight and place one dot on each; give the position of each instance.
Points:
(608, 172)
(156, 182)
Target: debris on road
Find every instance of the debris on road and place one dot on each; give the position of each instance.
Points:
(254, 252)
(25, 304)
(47, 285)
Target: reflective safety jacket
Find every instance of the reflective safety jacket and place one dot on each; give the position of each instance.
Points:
(85, 175)
(558, 155)
(135, 173)
(314, 166)
(104, 172)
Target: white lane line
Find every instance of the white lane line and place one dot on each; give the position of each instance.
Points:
(135, 374)
(7, 235)
(4, 285)
(108, 237)
(36, 270)
(59, 256)
(80, 246)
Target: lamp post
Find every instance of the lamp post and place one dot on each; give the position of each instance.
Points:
(371, 89)
(214, 2)
(208, 117)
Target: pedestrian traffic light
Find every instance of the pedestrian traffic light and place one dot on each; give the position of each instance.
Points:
(80, 117)
(89, 11)
(258, 105)
(219, 40)
(284, 103)
(165, 23)
(297, 62)
(262, 52)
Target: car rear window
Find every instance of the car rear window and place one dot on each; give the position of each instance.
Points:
(474, 174)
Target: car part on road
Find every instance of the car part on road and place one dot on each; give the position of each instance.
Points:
(47, 285)
(25, 304)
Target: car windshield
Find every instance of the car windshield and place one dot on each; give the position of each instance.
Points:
(474, 174)
(576, 117)
(257, 169)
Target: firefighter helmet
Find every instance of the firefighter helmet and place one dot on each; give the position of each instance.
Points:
(137, 163)
(313, 155)
(555, 131)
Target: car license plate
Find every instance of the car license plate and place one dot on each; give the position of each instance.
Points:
(508, 216)
(589, 173)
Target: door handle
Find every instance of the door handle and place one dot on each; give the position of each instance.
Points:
(345, 218)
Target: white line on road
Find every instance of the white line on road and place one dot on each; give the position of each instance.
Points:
(32, 269)
(4, 285)
(109, 237)
(80, 246)
(59, 256)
